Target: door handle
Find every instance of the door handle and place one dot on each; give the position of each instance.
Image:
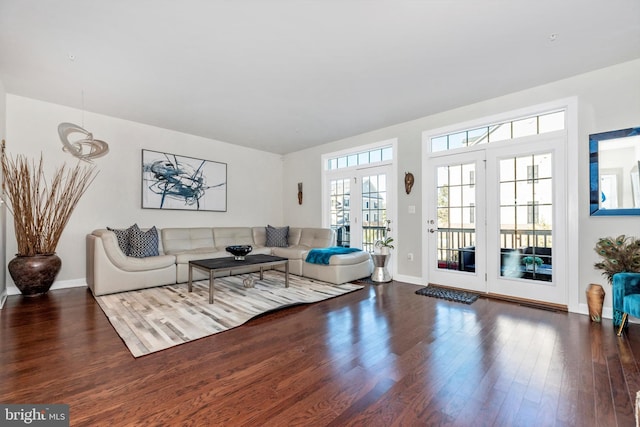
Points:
(432, 230)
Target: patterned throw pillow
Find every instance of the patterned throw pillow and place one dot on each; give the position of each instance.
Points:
(144, 243)
(277, 236)
(123, 236)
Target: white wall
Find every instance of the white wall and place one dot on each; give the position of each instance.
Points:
(263, 187)
(114, 199)
(608, 99)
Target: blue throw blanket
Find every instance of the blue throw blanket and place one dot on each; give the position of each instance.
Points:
(321, 256)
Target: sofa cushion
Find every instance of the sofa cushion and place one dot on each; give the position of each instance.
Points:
(261, 250)
(317, 237)
(123, 236)
(277, 236)
(227, 236)
(183, 239)
(292, 252)
(143, 244)
(294, 236)
(259, 236)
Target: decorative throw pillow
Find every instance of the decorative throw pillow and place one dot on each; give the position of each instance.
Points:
(144, 243)
(123, 236)
(277, 236)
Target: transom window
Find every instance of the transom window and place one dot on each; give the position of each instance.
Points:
(527, 126)
(377, 155)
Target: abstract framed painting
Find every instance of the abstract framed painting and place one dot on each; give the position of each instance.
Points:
(170, 181)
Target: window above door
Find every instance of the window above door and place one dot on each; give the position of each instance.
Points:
(526, 126)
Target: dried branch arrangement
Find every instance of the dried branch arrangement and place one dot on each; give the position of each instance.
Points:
(41, 211)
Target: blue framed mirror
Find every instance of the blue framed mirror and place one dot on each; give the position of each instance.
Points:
(614, 172)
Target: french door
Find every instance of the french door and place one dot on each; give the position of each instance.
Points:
(359, 208)
(527, 237)
(456, 221)
(497, 218)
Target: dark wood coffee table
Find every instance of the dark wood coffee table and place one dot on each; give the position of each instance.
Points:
(229, 264)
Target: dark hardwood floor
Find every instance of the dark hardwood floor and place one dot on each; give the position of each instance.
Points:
(381, 356)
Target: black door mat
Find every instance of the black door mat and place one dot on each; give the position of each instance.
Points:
(448, 294)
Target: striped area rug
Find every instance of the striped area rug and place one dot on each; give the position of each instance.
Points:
(154, 319)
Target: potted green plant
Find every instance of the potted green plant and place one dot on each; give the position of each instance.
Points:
(384, 245)
(40, 210)
(530, 261)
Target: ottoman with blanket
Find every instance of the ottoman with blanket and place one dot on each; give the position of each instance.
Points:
(337, 265)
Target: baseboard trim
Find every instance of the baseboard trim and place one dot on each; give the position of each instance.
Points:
(607, 312)
(408, 279)
(515, 300)
(528, 302)
(60, 284)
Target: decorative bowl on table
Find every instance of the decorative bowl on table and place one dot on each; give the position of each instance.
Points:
(239, 251)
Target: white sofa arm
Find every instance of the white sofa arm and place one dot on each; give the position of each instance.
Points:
(110, 271)
(123, 262)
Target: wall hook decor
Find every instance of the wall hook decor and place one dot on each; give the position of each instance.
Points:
(299, 193)
(408, 181)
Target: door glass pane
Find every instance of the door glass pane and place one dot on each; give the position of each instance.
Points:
(456, 217)
(468, 174)
(374, 210)
(455, 175)
(544, 191)
(340, 194)
(507, 194)
(526, 217)
(455, 196)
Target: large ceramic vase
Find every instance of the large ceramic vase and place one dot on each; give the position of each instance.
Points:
(34, 275)
(595, 300)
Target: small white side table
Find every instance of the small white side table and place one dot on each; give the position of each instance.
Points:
(380, 273)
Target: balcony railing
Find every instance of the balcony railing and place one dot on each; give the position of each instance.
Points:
(370, 235)
(455, 238)
(456, 250)
(451, 239)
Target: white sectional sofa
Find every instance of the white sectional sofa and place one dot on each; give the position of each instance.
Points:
(109, 270)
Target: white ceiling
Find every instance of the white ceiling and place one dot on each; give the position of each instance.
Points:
(284, 75)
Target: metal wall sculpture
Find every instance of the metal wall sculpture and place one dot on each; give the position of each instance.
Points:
(86, 148)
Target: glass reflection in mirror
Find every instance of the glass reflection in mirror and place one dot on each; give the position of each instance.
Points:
(614, 163)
